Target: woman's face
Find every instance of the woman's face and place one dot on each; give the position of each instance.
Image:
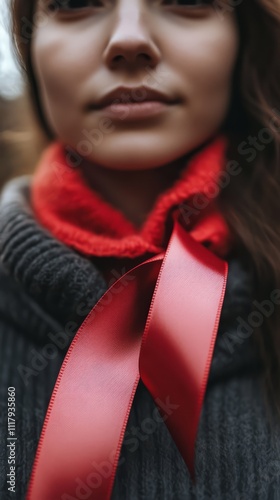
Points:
(184, 49)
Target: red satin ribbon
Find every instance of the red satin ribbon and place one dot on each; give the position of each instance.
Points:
(175, 299)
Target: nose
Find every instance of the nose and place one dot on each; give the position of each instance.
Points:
(130, 42)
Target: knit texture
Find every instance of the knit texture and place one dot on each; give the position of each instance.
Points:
(78, 216)
(46, 290)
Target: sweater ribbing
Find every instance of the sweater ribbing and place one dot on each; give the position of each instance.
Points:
(45, 289)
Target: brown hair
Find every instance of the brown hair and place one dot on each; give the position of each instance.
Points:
(251, 201)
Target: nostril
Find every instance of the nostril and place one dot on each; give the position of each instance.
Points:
(117, 58)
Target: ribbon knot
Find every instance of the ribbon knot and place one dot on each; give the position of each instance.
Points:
(159, 322)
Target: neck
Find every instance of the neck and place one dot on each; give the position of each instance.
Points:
(133, 192)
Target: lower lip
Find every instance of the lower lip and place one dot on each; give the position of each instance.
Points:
(133, 111)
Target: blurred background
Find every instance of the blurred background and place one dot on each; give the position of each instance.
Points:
(21, 142)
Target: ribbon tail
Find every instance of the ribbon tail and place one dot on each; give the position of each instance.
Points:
(180, 335)
(179, 299)
(81, 439)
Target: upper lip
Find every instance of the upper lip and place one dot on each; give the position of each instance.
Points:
(135, 94)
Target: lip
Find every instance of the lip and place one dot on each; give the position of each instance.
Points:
(133, 94)
(129, 103)
(132, 111)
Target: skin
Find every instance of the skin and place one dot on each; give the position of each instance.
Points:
(81, 55)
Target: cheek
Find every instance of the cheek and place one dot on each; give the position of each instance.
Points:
(61, 65)
(207, 60)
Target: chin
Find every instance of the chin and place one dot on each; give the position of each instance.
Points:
(132, 160)
(128, 154)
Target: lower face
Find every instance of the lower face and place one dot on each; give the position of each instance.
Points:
(188, 52)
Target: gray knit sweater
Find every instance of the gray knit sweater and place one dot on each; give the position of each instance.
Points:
(44, 286)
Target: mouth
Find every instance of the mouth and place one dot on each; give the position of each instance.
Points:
(131, 103)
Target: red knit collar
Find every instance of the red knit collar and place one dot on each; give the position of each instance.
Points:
(79, 217)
